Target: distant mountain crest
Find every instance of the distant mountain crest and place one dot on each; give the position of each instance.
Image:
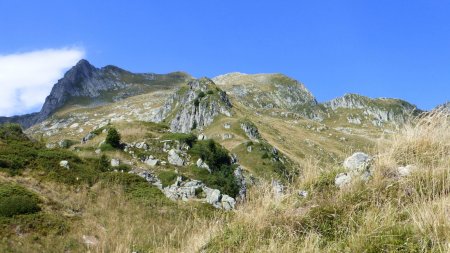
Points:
(266, 91)
(98, 86)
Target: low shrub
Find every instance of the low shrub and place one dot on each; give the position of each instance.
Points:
(113, 138)
(15, 200)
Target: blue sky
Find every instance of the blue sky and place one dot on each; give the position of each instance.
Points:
(376, 48)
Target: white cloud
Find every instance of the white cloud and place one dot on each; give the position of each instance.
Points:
(27, 78)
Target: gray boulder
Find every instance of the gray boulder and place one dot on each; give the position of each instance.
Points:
(174, 158)
(228, 203)
(213, 197)
(151, 161)
(342, 179)
(358, 162)
(115, 162)
(64, 164)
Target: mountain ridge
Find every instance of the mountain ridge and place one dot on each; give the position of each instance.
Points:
(85, 84)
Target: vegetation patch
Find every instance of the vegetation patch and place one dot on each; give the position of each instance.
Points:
(15, 200)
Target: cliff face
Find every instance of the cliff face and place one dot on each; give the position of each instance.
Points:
(96, 85)
(379, 111)
(194, 106)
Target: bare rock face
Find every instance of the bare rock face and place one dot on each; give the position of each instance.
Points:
(175, 158)
(378, 111)
(194, 106)
(250, 130)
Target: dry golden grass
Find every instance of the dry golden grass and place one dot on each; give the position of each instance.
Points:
(386, 214)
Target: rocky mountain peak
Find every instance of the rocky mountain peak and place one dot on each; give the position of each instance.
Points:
(266, 91)
(194, 106)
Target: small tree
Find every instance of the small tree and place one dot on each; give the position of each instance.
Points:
(113, 138)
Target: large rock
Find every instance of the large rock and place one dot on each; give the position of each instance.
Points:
(88, 137)
(174, 158)
(64, 164)
(151, 161)
(357, 166)
(115, 162)
(342, 179)
(358, 162)
(213, 197)
(228, 203)
(183, 190)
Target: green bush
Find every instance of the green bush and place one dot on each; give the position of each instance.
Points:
(196, 102)
(113, 138)
(201, 95)
(210, 92)
(212, 153)
(15, 200)
(103, 164)
(10, 131)
(107, 147)
(221, 176)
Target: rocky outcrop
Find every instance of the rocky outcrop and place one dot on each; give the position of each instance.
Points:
(241, 182)
(357, 165)
(194, 106)
(377, 111)
(250, 130)
(174, 158)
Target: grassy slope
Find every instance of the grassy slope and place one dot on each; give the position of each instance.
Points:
(123, 212)
(387, 214)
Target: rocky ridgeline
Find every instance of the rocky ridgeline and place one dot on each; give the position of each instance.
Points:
(194, 106)
(377, 111)
(95, 86)
(444, 107)
(266, 91)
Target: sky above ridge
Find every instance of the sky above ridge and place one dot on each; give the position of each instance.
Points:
(379, 48)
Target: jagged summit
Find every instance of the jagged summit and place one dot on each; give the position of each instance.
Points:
(84, 84)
